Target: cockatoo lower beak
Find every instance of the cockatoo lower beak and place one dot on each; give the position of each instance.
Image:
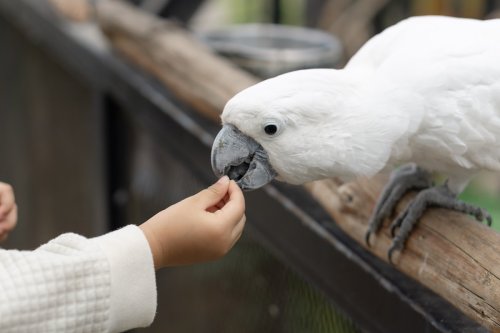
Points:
(241, 158)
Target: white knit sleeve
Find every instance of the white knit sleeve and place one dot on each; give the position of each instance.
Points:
(75, 284)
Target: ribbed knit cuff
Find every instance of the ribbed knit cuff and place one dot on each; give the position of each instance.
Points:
(133, 284)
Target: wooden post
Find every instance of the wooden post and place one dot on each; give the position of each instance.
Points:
(450, 253)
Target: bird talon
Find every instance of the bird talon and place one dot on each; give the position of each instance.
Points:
(367, 238)
(393, 228)
(489, 220)
(479, 215)
(397, 223)
(482, 215)
(394, 247)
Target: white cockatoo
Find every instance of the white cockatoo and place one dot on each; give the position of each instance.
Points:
(426, 91)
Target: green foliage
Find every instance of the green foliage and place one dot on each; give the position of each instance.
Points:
(473, 194)
(260, 11)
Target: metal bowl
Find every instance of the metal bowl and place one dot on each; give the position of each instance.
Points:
(269, 49)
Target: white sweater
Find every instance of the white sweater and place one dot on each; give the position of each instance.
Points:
(75, 284)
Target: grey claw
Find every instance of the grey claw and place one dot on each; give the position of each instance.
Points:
(397, 222)
(390, 253)
(408, 177)
(486, 216)
(367, 238)
(394, 226)
(482, 215)
(489, 220)
(397, 245)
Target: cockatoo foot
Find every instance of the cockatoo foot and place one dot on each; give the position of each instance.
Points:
(402, 180)
(439, 196)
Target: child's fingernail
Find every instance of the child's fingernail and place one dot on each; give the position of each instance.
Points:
(223, 180)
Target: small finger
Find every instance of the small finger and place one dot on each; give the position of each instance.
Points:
(238, 230)
(216, 207)
(213, 194)
(235, 207)
(221, 204)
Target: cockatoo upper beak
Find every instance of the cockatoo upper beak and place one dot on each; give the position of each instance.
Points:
(241, 158)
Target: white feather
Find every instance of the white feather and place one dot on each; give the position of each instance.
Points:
(425, 90)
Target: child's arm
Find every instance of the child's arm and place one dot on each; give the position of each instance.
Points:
(107, 283)
(200, 228)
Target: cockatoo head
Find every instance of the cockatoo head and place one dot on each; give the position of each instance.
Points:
(279, 128)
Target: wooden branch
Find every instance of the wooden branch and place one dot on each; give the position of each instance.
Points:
(173, 55)
(74, 10)
(449, 253)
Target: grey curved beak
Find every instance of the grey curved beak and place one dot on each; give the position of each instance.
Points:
(241, 158)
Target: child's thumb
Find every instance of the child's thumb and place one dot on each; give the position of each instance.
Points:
(213, 194)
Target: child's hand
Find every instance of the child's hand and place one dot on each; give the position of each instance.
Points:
(200, 228)
(8, 210)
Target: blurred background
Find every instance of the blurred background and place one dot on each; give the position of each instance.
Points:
(52, 128)
(352, 21)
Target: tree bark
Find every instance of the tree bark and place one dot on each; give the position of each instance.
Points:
(450, 253)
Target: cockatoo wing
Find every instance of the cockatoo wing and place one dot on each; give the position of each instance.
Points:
(453, 67)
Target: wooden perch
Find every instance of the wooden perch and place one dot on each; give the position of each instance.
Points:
(448, 252)
(74, 10)
(172, 57)
(455, 256)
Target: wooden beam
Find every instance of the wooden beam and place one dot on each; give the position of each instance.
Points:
(450, 253)
(190, 69)
(75, 10)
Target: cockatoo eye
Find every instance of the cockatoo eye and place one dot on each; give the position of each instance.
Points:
(271, 129)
